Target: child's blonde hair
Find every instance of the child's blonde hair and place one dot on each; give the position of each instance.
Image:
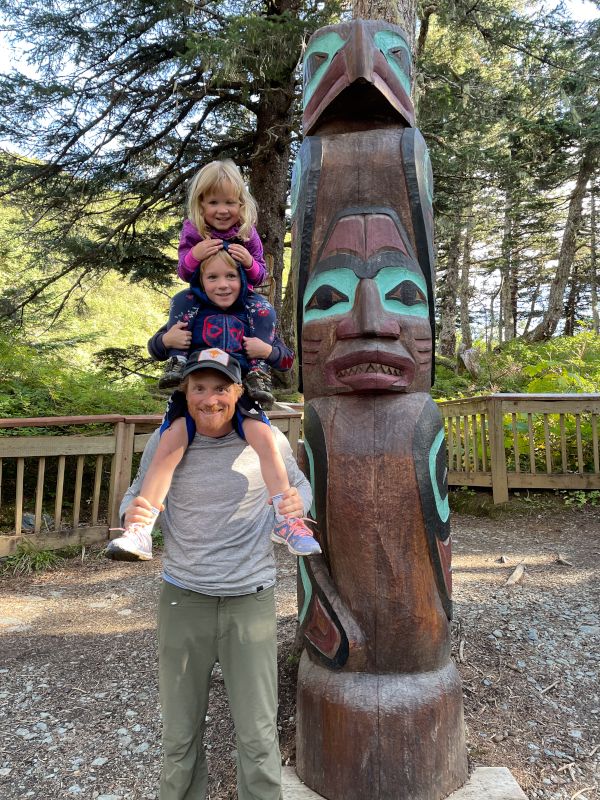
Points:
(221, 255)
(214, 177)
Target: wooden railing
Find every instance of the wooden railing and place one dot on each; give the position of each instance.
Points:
(66, 489)
(523, 441)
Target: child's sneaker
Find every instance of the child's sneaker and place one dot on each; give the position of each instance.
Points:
(297, 536)
(258, 385)
(173, 374)
(134, 545)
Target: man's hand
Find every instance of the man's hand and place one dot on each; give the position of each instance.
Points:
(256, 348)
(177, 337)
(291, 503)
(239, 253)
(139, 510)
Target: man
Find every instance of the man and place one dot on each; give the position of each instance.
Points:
(217, 600)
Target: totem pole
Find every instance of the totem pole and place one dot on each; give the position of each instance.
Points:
(380, 712)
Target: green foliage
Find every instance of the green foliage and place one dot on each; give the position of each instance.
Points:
(28, 558)
(561, 365)
(39, 381)
(578, 499)
(158, 540)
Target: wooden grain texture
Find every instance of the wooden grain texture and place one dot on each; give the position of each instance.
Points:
(93, 534)
(376, 684)
(60, 486)
(39, 495)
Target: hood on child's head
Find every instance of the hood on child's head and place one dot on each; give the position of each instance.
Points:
(198, 288)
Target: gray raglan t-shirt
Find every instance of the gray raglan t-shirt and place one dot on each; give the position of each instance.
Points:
(217, 523)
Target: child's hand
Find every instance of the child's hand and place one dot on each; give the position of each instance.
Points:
(256, 348)
(177, 337)
(239, 253)
(291, 503)
(206, 248)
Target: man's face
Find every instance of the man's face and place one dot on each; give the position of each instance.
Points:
(211, 399)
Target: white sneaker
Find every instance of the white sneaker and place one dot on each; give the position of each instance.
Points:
(134, 545)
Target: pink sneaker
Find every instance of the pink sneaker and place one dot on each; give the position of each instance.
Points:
(297, 536)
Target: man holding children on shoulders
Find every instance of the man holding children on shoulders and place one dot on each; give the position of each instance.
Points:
(217, 601)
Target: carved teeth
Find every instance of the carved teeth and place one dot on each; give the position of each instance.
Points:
(359, 369)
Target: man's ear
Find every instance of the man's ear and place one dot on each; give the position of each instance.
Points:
(239, 390)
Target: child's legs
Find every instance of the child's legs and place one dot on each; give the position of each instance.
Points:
(184, 308)
(171, 447)
(260, 438)
(262, 320)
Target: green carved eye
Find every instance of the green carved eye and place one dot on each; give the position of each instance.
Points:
(396, 53)
(330, 293)
(312, 64)
(402, 291)
(319, 55)
(407, 293)
(325, 297)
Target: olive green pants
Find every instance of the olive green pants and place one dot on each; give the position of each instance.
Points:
(195, 631)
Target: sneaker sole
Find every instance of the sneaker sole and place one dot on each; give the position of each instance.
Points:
(119, 554)
(293, 551)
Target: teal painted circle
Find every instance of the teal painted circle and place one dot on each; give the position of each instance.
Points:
(442, 504)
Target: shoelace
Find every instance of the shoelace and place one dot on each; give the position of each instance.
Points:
(294, 526)
(135, 530)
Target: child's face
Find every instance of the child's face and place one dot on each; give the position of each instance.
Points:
(221, 282)
(221, 208)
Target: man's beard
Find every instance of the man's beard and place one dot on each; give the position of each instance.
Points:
(211, 422)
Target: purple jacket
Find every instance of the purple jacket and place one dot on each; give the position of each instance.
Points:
(188, 264)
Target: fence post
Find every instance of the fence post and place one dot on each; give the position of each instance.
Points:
(120, 473)
(497, 452)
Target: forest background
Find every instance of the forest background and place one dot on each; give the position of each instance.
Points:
(108, 109)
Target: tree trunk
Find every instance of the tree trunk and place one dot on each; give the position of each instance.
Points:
(593, 259)
(532, 305)
(508, 327)
(398, 12)
(465, 288)
(571, 304)
(448, 293)
(552, 315)
(269, 179)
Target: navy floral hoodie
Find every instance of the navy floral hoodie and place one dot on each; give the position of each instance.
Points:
(213, 327)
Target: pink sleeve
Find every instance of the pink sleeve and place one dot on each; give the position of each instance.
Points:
(188, 238)
(258, 271)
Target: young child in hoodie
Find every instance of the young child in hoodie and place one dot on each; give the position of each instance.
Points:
(221, 323)
(222, 215)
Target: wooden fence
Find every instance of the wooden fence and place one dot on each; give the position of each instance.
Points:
(67, 488)
(523, 441)
(57, 490)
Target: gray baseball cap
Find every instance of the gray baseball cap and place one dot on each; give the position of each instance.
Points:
(213, 358)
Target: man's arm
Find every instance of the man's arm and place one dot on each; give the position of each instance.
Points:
(135, 487)
(297, 478)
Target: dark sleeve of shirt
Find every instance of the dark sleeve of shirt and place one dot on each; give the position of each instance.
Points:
(281, 358)
(156, 347)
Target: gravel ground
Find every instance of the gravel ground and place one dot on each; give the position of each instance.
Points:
(80, 717)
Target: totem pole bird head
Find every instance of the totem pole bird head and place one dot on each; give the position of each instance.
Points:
(357, 70)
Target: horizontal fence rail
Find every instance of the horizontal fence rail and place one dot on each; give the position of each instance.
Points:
(523, 441)
(66, 487)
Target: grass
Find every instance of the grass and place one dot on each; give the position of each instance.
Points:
(28, 558)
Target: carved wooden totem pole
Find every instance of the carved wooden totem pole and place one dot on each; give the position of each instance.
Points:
(380, 712)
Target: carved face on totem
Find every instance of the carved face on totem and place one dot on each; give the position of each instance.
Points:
(366, 310)
(355, 58)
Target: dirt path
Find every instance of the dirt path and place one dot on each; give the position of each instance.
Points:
(79, 714)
